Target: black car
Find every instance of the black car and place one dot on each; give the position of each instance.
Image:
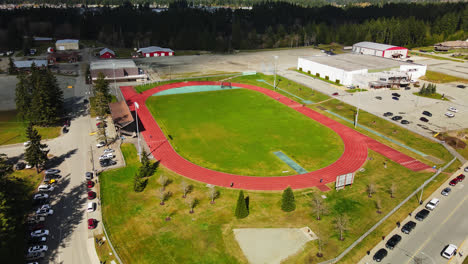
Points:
(65, 130)
(424, 119)
(421, 215)
(396, 118)
(378, 97)
(20, 165)
(381, 254)
(107, 163)
(396, 94)
(404, 122)
(388, 114)
(427, 113)
(461, 86)
(37, 240)
(408, 227)
(395, 98)
(39, 202)
(393, 241)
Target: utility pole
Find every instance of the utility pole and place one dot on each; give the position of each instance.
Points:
(357, 109)
(276, 60)
(138, 131)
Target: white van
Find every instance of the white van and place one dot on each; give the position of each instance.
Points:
(45, 188)
(91, 207)
(449, 251)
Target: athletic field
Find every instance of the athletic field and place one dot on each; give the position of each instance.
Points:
(237, 131)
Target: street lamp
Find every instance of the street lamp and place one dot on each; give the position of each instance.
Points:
(276, 60)
(138, 132)
(115, 84)
(357, 108)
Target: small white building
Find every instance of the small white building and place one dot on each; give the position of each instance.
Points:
(355, 69)
(67, 44)
(380, 50)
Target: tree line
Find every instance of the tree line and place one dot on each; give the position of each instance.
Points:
(266, 25)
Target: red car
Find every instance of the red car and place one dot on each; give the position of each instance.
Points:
(460, 177)
(36, 227)
(91, 195)
(90, 184)
(334, 94)
(92, 223)
(453, 182)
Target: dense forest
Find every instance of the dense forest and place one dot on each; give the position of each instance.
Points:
(266, 25)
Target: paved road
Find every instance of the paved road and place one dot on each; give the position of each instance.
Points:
(447, 224)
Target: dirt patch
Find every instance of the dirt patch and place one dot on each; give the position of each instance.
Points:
(454, 142)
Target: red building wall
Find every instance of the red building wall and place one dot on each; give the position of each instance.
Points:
(107, 55)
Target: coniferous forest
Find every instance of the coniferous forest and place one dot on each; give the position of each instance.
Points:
(266, 25)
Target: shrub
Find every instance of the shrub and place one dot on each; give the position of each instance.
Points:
(317, 74)
(288, 204)
(300, 69)
(241, 208)
(337, 81)
(327, 78)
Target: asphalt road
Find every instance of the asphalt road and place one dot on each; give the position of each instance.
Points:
(446, 224)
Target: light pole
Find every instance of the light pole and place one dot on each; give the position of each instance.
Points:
(115, 84)
(357, 109)
(138, 132)
(276, 60)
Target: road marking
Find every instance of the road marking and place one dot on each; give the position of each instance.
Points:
(435, 231)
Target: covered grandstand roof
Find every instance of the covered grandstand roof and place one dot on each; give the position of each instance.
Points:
(374, 46)
(121, 114)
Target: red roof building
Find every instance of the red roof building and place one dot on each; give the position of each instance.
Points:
(106, 54)
(380, 50)
(155, 51)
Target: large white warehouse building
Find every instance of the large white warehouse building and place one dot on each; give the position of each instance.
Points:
(380, 50)
(355, 69)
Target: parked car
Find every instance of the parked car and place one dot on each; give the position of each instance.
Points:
(89, 175)
(35, 227)
(449, 115)
(40, 196)
(91, 195)
(424, 119)
(92, 223)
(107, 163)
(45, 188)
(453, 109)
(34, 255)
(91, 207)
(35, 240)
(449, 251)
(335, 94)
(108, 150)
(466, 169)
(427, 113)
(33, 220)
(378, 97)
(393, 241)
(26, 144)
(432, 204)
(388, 114)
(421, 215)
(100, 144)
(40, 233)
(405, 122)
(90, 184)
(380, 255)
(106, 156)
(461, 177)
(446, 191)
(408, 227)
(396, 94)
(20, 166)
(396, 98)
(38, 248)
(396, 118)
(52, 171)
(453, 182)
(461, 86)
(44, 212)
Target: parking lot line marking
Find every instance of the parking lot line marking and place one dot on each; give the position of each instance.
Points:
(429, 238)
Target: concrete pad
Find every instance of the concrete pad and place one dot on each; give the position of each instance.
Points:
(272, 245)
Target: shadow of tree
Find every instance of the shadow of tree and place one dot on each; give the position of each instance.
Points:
(57, 160)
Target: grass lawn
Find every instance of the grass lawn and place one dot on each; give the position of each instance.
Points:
(437, 96)
(13, 130)
(355, 90)
(137, 227)
(433, 56)
(237, 131)
(438, 77)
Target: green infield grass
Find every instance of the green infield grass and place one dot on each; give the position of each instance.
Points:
(237, 131)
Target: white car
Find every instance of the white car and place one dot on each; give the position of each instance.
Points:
(453, 109)
(100, 144)
(28, 166)
(44, 212)
(38, 248)
(449, 251)
(91, 207)
(432, 204)
(44, 207)
(27, 143)
(466, 169)
(40, 196)
(52, 171)
(448, 114)
(106, 156)
(108, 150)
(40, 232)
(45, 188)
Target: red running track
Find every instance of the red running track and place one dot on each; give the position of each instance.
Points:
(353, 157)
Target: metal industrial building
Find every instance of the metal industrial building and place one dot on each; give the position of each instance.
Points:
(361, 70)
(118, 70)
(67, 44)
(27, 64)
(154, 51)
(380, 50)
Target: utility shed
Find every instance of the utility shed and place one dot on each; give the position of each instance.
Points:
(380, 50)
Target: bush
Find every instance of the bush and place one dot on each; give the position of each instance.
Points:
(337, 81)
(327, 78)
(241, 208)
(308, 72)
(317, 74)
(288, 204)
(300, 69)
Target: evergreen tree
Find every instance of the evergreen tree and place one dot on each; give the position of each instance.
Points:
(423, 90)
(102, 96)
(288, 203)
(35, 154)
(5, 168)
(241, 208)
(23, 97)
(146, 169)
(11, 67)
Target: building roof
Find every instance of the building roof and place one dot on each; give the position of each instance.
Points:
(374, 46)
(28, 63)
(42, 39)
(453, 44)
(64, 41)
(152, 49)
(354, 62)
(121, 114)
(112, 64)
(104, 50)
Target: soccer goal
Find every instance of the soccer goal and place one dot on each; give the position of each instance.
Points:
(226, 85)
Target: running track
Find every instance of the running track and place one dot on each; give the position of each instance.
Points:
(354, 156)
